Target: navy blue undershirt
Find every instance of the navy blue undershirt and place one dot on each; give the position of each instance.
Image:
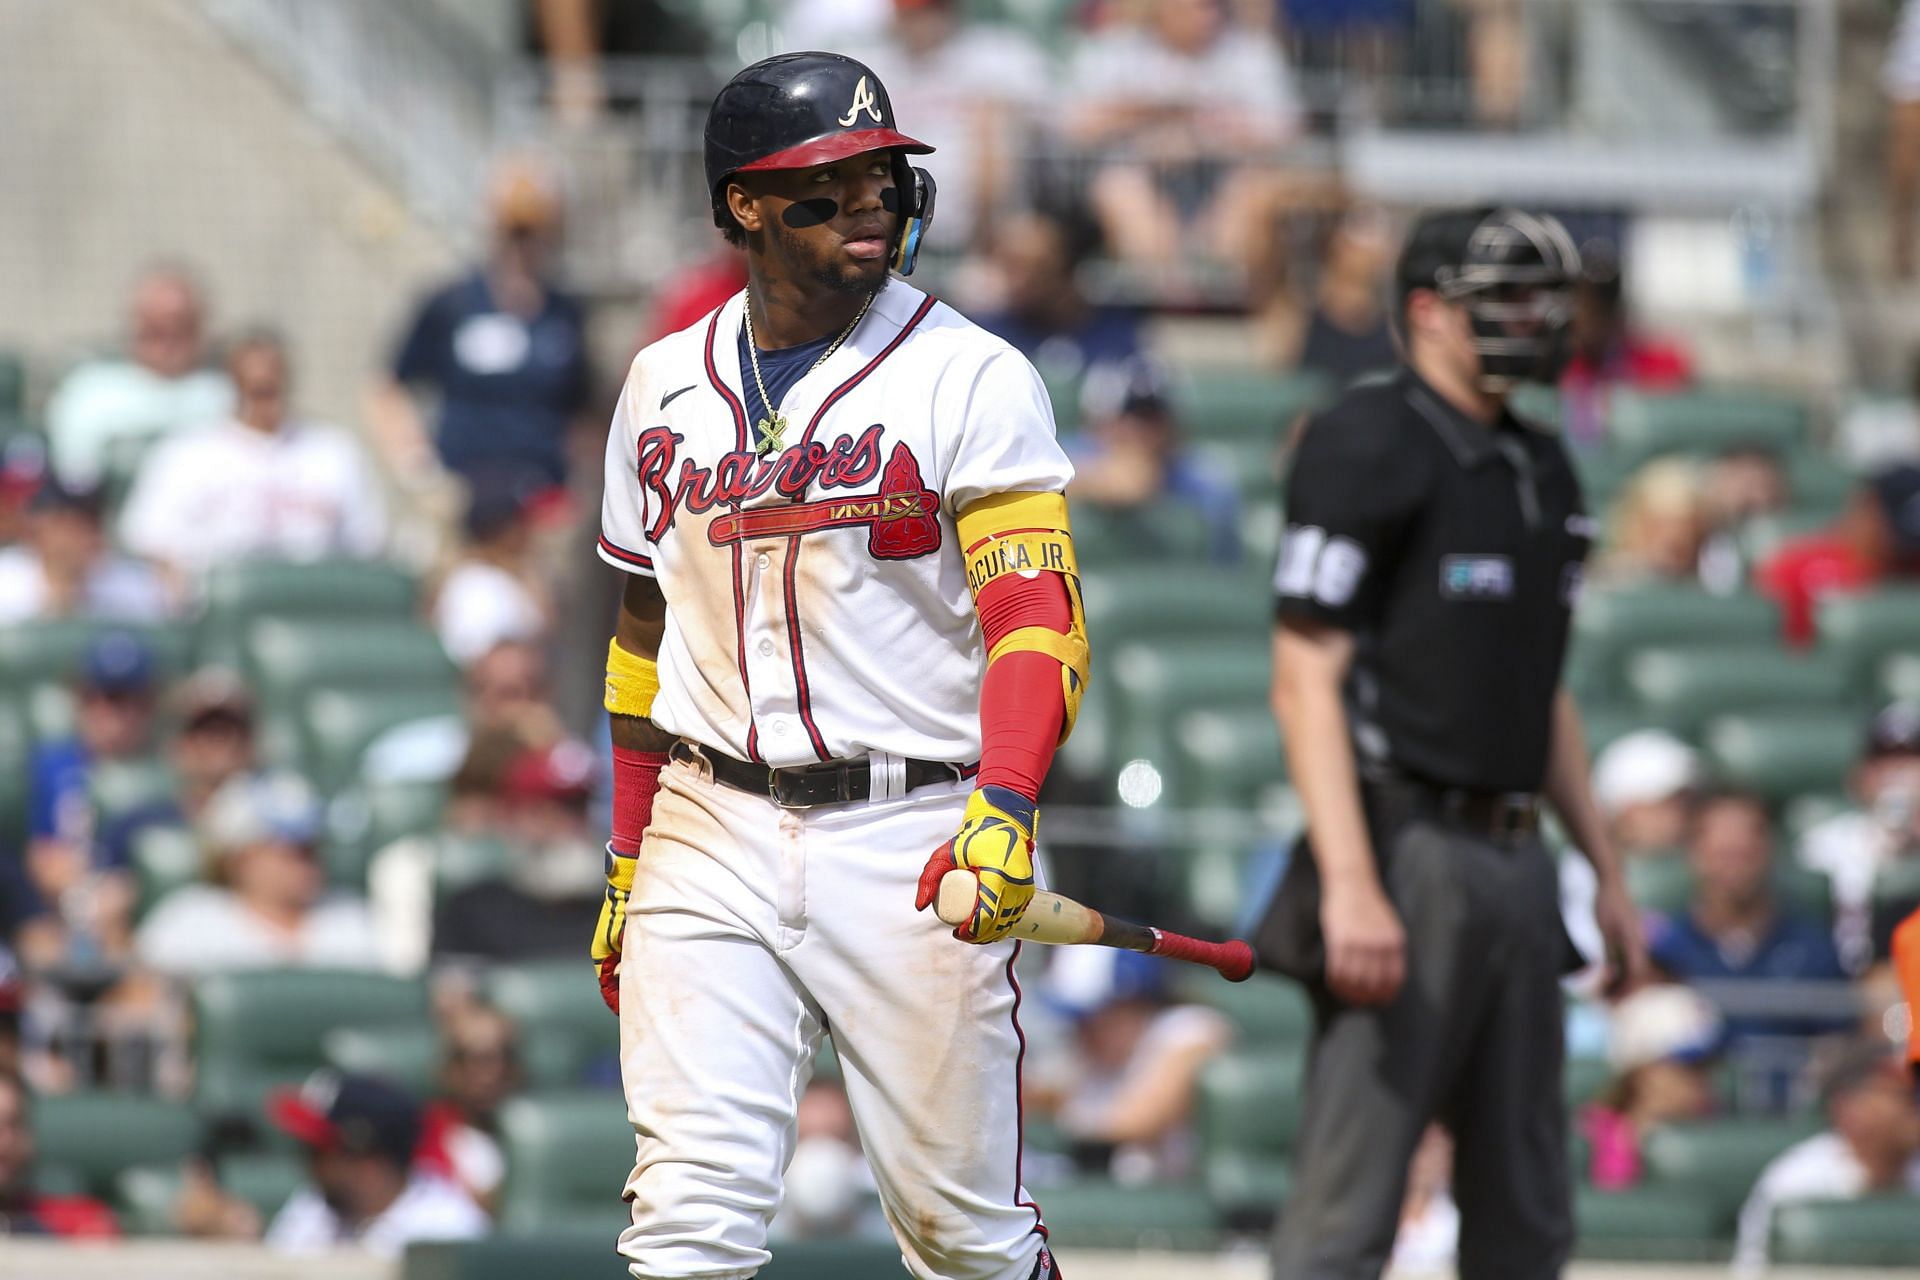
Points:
(780, 370)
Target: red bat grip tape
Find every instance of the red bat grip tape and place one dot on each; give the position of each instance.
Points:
(1233, 959)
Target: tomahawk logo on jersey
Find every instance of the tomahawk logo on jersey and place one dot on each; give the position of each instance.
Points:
(818, 603)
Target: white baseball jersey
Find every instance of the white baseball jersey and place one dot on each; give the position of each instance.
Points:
(817, 602)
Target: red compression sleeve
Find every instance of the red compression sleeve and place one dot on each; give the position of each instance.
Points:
(1022, 706)
(636, 776)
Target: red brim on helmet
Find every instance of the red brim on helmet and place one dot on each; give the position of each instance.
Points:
(838, 146)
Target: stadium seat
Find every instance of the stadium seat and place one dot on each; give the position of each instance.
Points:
(1250, 465)
(1267, 1010)
(118, 787)
(264, 1179)
(143, 1198)
(1647, 1223)
(50, 651)
(1664, 883)
(255, 1030)
(1607, 722)
(1761, 536)
(1683, 687)
(1153, 684)
(1611, 622)
(1877, 1231)
(98, 1134)
(557, 1007)
(366, 818)
(1706, 420)
(164, 859)
(1227, 757)
(1095, 1213)
(1246, 403)
(13, 383)
(1781, 754)
(588, 1255)
(15, 748)
(1718, 1160)
(1862, 630)
(1149, 603)
(408, 1056)
(341, 724)
(1165, 532)
(568, 1154)
(319, 589)
(1584, 1078)
(292, 656)
(1246, 1117)
(1818, 483)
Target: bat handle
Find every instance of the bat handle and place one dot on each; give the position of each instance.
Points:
(1233, 959)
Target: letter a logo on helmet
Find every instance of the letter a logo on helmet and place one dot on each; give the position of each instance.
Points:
(863, 100)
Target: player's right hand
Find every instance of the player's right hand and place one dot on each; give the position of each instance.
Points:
(995, 842)
(609, 933)
(1366, 944)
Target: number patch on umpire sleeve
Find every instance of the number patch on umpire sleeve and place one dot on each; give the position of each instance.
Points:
(1314, 566)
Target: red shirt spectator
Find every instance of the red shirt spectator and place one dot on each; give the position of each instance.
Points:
(1876, 537)
(1608, 352)
(695, 291)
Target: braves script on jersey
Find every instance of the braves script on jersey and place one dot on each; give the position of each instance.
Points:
(817, 605)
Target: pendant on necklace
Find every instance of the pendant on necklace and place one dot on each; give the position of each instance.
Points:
(771, 429)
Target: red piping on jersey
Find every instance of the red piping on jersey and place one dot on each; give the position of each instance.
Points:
(625, 556)
(1020, 1103)
(804, 695)
(739, 605)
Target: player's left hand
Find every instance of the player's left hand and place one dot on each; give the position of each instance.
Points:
(1618, 916)
(995, 842)
(610, 931)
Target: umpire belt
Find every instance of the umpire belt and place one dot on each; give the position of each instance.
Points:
(829, 782)
(1500, 815)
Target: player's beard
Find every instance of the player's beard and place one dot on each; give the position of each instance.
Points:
(830, 268)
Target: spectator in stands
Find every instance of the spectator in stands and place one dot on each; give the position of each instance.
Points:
(1643, 784)
(829, 1188)
(23, 472)
(262, 484)
(265, 903)
(1609, 352)
(1657, 527)
(1901, 80)
(1876, 538)
(1871, 1146)
(24, 1209)
(493, 593)
(505, 350)
(1036, 259)
(212, 743)
(1884, 825)
(508, 690)
(1346, 333)
(1742, 483)
(555, 876)
(1139, 1060)
(1182, 113)
(479, 1072)
(1735, 928)
(161, 386)
(968, 87)
(63, 567)
(1131, 456)
(1428, 1239)
(363, 1190)
(1661, 1046)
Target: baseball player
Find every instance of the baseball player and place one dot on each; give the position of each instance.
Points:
(849, 643)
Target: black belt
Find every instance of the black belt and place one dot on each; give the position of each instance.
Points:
(803, 786)
(1504, 815)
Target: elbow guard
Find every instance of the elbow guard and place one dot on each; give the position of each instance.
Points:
(1027, 533)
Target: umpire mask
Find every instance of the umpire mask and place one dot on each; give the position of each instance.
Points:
(1515, 281)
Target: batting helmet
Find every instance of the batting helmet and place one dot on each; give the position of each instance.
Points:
(797, 110)
(1514, 272)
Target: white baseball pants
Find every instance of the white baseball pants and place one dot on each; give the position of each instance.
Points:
(754, 930)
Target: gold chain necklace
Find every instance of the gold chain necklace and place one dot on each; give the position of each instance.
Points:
(772, 428)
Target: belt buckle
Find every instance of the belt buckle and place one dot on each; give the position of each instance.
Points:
(773, 792)
(1514, 814)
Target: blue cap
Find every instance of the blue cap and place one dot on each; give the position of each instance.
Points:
(117, 662)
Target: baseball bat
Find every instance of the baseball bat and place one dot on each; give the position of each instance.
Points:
(1060, 921)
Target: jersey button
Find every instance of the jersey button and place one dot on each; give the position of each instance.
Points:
(766, 648)
(763, 561)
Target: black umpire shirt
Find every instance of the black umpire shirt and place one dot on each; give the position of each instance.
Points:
(1453, 552)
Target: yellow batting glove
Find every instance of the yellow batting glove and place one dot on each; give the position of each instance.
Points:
(995, 842)
(609, 933)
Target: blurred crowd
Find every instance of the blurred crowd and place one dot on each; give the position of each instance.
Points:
(174, 830)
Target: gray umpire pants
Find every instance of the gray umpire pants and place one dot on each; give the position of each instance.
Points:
(1474, 1039)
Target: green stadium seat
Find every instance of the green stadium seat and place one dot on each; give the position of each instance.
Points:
(1585, 1079)
(1761, 536)
(1607, 722)
(341, 724)
(1251, 466)
(1900, 678)
(1876, 1231)
(255, 1030)
(1718, 1160)
(165, 858)
(292, 656)
(1784, 753)
(117, 787)
(1227, 757)
(1095, 1213)
(1861, 631)
(1683, 687)
(15, 748)
(1707, 420)
(1153, 684)
(1536, 403)
(143, 1198)
(320, 589)
(1228, 403)
(1164, 533)
(588, 1255)
(1063, 390)
(563, 1023)
(1609, 623)
(366, 818)
(264, 1179)
(1660, 881)
(408, 1056)
(568, 1155)
(1818, 483)
(1267, 1010)
(1148, 603)
(98, 1134)
(13, 384)
(50, 651)
(1668, 1224)
(1247, 1115)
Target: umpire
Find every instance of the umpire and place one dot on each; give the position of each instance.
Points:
(1433, 551)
